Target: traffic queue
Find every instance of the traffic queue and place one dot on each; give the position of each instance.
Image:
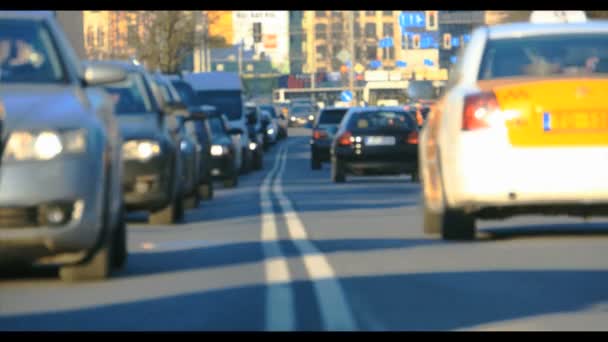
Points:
(87, 142)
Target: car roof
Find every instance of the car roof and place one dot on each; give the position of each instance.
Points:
(518, 30)
(215, 80)
(345, 109)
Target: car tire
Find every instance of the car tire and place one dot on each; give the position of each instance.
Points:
(178, 214)
(246, 163)
(259, 162)
(338, 175)
(457, 225)
(120, 253)
(315, 163)
(206, 191)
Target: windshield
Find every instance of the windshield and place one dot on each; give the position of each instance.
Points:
(226, 102)
(217, 126)
(270, 109)
(382, 120)
(130, 96)
(28, 54)
(550, 55)
(332, 116)
(186, 93)
(299, 110)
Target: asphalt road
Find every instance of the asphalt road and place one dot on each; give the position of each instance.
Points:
(289, 250)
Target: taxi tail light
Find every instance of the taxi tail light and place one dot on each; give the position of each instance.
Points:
(345, 139)
(477, 110)
(319, 134)
(412, 138)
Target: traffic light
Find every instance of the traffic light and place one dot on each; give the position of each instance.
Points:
(447, 41)
(416, 41)
(257, 32)
(431, 20)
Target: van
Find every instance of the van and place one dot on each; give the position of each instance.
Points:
(225, 92)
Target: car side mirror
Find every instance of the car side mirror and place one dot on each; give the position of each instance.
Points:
(235, 131)
(95, 75)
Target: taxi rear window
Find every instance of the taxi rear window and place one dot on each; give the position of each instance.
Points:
(548, 55)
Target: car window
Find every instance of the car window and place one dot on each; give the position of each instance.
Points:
(186, 93)
(217, 126)
(301, 110)
(331, 116)
(225, 101)
(130, 96)
(400, 120)
(549, 55)
(28, 54)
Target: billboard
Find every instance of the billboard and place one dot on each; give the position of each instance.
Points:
(274, 40)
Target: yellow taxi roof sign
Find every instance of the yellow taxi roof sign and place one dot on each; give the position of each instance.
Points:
(545, 17)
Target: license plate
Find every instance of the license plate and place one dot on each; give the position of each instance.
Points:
(379, 141)
(575, 121)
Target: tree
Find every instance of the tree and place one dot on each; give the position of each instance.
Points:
(165, 38)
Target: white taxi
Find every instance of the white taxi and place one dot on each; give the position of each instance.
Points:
(521, 129)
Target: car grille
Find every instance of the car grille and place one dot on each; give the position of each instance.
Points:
(19, 217)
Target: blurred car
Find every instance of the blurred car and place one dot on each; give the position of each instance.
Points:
(301, 115)
(60, 193)
(279, 119)
(375, 141)
(256, 132)
(521, 130)
(153, 163)
(323, 131)
(203, 133)
(225, 92)
(223, 149)
(184, 135)
(270, 127)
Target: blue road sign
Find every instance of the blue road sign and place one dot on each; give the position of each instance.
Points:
(401, 64)
(428, 62)
(455, 41)
(467, 38)
(453, 59)
(346, 96)
(375, 64)
(412, 19)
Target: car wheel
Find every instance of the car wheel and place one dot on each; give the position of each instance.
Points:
(206, 191)
(457, 225)
(179, 210)
(119, 256)
(246, 163)
(337, 171)
(315, 163)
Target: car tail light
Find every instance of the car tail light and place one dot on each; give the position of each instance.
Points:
(412, 138)
(319, 134)
(477, 111)
(345, 139)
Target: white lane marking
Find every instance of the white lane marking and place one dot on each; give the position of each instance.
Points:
(279, 297)
(335, 311)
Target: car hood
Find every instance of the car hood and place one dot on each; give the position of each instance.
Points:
(221, 140)
(36, 107)
(137, 126)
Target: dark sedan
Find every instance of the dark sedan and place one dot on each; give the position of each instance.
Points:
(223, 150)
(375, 141)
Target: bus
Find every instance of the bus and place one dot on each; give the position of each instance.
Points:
(324, 96)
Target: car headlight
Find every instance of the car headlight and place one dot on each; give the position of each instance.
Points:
(270, 131)
(253, 146)
(293, 118)
(183, 145)
(45, 145)
(218, 150)
(311, 117)
(141, 150)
